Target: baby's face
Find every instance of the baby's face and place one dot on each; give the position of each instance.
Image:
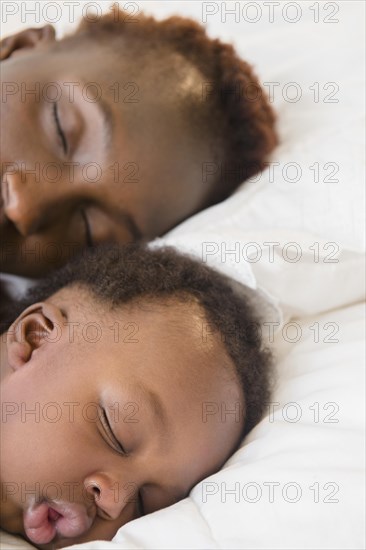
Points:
(94, 435)
(99, 153)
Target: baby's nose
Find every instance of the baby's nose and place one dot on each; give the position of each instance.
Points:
(111, 497)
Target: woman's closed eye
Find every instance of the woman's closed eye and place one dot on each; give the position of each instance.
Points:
(60, 132)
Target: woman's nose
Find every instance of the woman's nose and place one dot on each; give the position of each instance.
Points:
(28, 203)
(111, 497)
(22, 202)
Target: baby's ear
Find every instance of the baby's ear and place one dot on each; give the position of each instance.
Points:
(38, 325)
(29, 38)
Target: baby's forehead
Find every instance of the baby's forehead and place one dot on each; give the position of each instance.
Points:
(192, 345)
(175, 326)
(178, 319)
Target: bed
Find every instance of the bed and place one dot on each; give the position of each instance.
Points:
(297, 481)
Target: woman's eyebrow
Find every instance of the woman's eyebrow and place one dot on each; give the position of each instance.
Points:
(108, 120)
(107, 115)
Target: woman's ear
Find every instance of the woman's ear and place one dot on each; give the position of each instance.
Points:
(38, 325)
(29, 38)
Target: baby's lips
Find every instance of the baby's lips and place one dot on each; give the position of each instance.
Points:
(73, 520)
(42, 522)
(38, 528)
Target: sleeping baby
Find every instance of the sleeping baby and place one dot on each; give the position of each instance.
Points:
(109, 370)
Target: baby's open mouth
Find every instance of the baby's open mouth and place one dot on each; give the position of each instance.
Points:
(42, 522)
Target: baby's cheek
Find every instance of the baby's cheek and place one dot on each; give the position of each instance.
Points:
(100, 530)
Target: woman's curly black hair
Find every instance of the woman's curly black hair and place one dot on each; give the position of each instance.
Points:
(233, 105)
(135, 273)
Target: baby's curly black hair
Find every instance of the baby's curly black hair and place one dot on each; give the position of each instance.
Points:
(138, 274)
(234, 110)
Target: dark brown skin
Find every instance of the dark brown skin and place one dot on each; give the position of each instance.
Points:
(40, 363)
(149, 170)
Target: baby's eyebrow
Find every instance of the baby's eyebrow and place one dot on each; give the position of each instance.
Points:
(155, 404)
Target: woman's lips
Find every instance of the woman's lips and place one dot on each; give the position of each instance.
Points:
(43, 522)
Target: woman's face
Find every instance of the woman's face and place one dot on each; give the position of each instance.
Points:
(108, 415)
(95, 147)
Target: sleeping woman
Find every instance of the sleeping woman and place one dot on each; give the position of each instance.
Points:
(118, 132)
